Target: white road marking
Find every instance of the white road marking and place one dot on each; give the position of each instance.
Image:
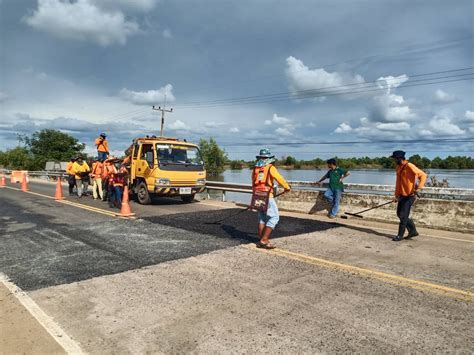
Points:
(64, 340)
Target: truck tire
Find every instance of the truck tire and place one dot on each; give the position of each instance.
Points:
(143, 196)
(188, 198)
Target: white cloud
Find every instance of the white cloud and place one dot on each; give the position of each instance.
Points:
(469, 116)
(390, 108)
(442, 97)
(343, 128)
(82, 20)
(284, 131)
(391, 82)
(444, 127)
(301, 78)
(150, 97)
(234, 130)
(167, 33)
(398, 126)
(178, 125)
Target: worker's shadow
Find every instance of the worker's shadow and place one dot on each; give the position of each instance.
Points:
(321, 204)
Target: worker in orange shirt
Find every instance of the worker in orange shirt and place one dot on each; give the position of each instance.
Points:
(96, 175)
(71, 176)
(119, 179)
(265, 179)
(406, 193)
(102, 147)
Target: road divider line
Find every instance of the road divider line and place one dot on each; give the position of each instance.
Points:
(71, 203)
(390, 278)
(56, 332)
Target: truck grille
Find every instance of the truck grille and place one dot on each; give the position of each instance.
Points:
(183, 182)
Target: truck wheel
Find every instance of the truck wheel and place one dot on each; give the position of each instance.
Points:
(188, 198)
(143, 196)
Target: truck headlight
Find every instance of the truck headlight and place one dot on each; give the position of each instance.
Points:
(162, 182)
(201, 182)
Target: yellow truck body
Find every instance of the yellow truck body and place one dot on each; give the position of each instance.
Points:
(161, 166)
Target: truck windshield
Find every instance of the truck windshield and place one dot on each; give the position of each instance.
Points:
(178, 155)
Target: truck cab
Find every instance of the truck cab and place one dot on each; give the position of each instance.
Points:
(161, 166)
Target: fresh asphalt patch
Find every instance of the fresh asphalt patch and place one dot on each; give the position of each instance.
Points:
(241, 226)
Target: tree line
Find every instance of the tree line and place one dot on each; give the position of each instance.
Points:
(52, 145)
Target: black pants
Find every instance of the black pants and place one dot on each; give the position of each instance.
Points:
(72, 184)
(403, 212)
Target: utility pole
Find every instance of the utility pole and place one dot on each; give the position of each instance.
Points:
(163, 110)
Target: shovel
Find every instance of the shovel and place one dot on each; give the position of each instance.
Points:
(368, 209)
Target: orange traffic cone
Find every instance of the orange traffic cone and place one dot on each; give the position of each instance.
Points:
(58, 195)
(3, 182)
(24, 184)
(125, 211)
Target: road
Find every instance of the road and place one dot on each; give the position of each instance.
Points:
(167, 282)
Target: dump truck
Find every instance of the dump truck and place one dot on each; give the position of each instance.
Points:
(161, 166)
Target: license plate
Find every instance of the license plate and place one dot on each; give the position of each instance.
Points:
(185, 191)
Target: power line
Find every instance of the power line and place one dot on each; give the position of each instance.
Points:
(406, 141)
(319, 90)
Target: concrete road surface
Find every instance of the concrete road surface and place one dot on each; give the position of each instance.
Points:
(167, 282)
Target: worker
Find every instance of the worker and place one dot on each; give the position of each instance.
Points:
(81, 173)
(265, 179)
(119, 179)
(71, 179)
(102, 147)
(333, 194)
(96, 176)
(406, 193)
(107, 178)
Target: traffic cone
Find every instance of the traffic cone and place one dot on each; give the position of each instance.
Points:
(24, 184)
(125, 211)
(58, 195)
(3, 182)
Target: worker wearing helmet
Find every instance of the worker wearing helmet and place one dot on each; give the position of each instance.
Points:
(102, 147)
(265, 179)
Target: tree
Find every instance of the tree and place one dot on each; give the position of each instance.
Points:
(18, 158)
(214, 157)
(49, 144)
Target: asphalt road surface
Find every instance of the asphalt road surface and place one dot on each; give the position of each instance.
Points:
(168, 282)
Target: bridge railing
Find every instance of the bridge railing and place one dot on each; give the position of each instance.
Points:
(371, 189)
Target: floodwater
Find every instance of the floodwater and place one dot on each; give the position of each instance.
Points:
(456, 178)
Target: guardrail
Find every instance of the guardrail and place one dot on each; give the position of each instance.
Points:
(373, 189)
(428, 192)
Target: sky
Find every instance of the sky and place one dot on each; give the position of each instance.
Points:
(250, 74)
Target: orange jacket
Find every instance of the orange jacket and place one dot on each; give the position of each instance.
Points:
(69, 170)
(407, 173)
(97, 169)
(263, 178)
(102, 145)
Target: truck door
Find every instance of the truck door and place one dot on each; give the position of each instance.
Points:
(146, 162)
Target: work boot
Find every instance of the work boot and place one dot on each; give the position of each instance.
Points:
(412, 235)
(397, 238)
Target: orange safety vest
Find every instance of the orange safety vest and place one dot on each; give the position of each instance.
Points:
(261, 178)
(262, 188)
(97, 169)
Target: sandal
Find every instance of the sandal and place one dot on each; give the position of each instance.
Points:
(265, 245)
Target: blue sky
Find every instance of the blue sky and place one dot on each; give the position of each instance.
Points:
(346, 71)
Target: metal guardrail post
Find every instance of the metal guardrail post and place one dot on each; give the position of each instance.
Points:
(223, 195)
(208, 194)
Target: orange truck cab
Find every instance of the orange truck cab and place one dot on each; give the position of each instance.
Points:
(161, 166)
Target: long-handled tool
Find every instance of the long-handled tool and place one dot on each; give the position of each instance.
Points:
(368, 209)
(236, 214)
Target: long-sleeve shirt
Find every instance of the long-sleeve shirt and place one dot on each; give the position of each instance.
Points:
(275, 175)
(69, 169)
(102, 145)
(407, 173)
(80, 169)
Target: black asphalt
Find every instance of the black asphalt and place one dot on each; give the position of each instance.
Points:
(44, 243)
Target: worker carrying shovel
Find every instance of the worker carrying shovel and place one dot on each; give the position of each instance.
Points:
(265, 178)
(406, 193)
